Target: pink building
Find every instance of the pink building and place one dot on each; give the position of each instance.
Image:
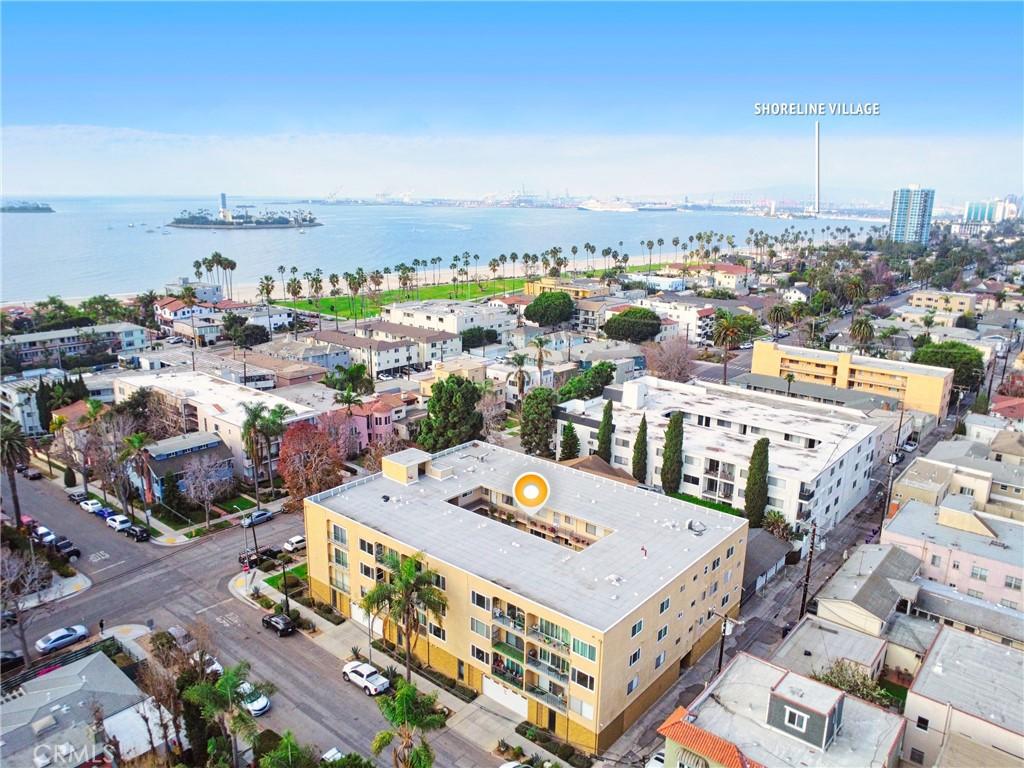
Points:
(977, 554)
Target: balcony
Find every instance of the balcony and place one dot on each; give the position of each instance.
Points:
(339, 585)
(507, 650)
(806, 494)
(516, 623)
(507, 675)
(547, 669)
(535, 633)
(550, 699)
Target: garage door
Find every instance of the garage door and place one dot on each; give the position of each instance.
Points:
(358, 614)
(505, 696)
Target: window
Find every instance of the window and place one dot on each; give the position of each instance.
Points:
(956, 565)
(716, 563)
(730, 552)
(691, 479)
(480, 628)
(632, 685)
(917, 756)
(634, 657)
(366, 546)
(586, 650)
(637, 628)
(366, 570)
(981, 574)
(480, 601)
(796, 720)
(659, 660)
(1008, 604)
(922, 723)
(1012, 582)
(936, 561)
(341, 558)
(439, 581)
(582, 679)
(582, 708)
(725, 600)
(975, 593)
(665, 603)
(480, 654)
(339, 535)
(591, 529)
(662, 633)
(437, 631)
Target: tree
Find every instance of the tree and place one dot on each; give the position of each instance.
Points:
(672, 454)
(589, 384)
(407, 592)
(519, 374)
(478, 337)
(550, 308)
(967, 320)
(354, 377)
(640, 452)
(21, 575)
(636, 324)
(452, 418)
(670, 359)
(310, 461)
(862, 331)
(289, 753)
(206, 479)
(980, 404)
(539, 347)
(570, 443)
(728, 333)
(756, 497)
(538, 422)
(774, 522)
(252, 439)
(271, 427)
(381, 447)
(779, 314)
(842, 674)
(13, 452)
(966, 361)
(411, 715)
(605, 432)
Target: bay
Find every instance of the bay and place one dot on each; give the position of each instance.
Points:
(87, 246)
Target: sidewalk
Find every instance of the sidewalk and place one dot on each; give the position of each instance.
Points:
(481, 722)
(60, 589)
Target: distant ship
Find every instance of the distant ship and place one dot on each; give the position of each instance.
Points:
(613, 206)
(25, 207)
(242, 219)
(657, 207)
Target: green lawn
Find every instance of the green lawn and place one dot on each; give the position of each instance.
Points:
(197, 532)
(237, 504)
(347, 308)
(299, 572)
(709, 504)
(169, 518)
(896, 691)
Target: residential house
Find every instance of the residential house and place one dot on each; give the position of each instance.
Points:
(378, 355)
(815, 644)
(167, 461)
(431, 345)
(766, 559)
(577, 288)
(286, 372)
(234, 367)
(169, 309)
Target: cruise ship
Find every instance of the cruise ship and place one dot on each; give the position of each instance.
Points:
(614, 206)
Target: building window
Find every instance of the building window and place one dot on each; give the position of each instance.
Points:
(796, 720)
(729, 552)
(637, 628)
(917, 756)
(936, 561)
(956, 565)
(662, 633)
(437, 632)
(480, 654)
(725, 600)
(632, 685)
(582, 679)
(1012, 582)
(365, 546)
(586, 650)
(1008, 604)
(981, 574)
(479, 627)
(975, 593)
(591, 529)
(480, 601)
(582, 708)
(339, 535)
(341, 558)
(665, 603)
(659, 660)
(715, 563)
(922, 723)
(634, 657)
(366, 570)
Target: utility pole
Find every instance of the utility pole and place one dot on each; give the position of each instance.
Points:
(284, 588)
(807, 574)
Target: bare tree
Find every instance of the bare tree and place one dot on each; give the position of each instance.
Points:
(206, 479)
(384, 446)
(166, 705)
(21, 577)
(671, 359)
(106, 445)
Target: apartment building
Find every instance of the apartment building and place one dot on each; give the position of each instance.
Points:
(237, 368)
(378, 355)
(977, 554)
(590, 314)
(910, 219)
(431, 345)
(577, 616)
(167, 461)
(760, 715)
(307, 350)
(966, 707)
(273, 317)
(730, 277)
(206, 403)
(943, 301)
(450, 316)
(18, 403)
(577, 288)
(208, 292)
(671, 304)
(669, 327)
(170, 308)
(820, 458)
(923, 388)
(286, 372)
(41, 346)
(463, 366)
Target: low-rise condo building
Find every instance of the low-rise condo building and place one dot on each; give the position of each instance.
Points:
(577, 288)
(943, 301)
(919, 387)
(378, 355)
(820, 458)
(307, 350)
(431, 345)
(450, 315)
(53, 346)
(577, 616)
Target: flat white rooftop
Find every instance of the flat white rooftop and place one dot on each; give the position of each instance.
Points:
(815, 644)
(646, 540)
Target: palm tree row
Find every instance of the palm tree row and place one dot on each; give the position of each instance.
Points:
(219, 269)
(261, 427)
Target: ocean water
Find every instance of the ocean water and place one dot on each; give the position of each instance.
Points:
(87, 247)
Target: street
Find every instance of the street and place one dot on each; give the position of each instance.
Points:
(141, 583)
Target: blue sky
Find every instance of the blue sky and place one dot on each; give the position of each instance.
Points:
(607, 75)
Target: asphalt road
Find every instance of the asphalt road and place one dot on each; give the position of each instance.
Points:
(139, 583)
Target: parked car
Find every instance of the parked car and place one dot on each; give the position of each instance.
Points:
(32, 473)
(183, 639)
(66, 549)
(208, 662)
(747, 345)
(331, 755)
(119, 523)
(61, 638)
(90, 505)
(295, 544)
(256, 518)
(44, 535)
(366, 677)
(254, 701)
(105, 512)
(910, 446)
(11, 660)
(280, 623)
(657, 759)
(8, 618)
(20, 467)
(252, 556)
(137, 532)
(77, 497)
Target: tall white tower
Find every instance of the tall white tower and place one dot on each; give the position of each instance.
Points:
(817, 167)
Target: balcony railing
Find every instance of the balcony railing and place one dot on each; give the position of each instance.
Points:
(806, 494)
(507, 675)
(507, 650)
(547, 669)
(339, 585)
(553, 701)
(535, 633)
(517, 624)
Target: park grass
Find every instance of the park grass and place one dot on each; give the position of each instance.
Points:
(300, 572)
(237, 504)
(347, 308)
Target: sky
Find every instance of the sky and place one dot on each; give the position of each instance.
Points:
(467, 99)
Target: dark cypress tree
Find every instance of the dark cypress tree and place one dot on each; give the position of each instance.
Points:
(756, 498)
(43, 394)
(69, 478)
(604, 433)
(79, 390)
(570, 448)
(672, 455)
(640, 452)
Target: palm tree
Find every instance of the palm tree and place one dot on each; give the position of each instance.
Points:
(540, 344)
(407, 591)
(411, 715)
(790, 378)
(221, 703)
(13, 451)
(862, 331)
(778, 314)
(889, 334)
(518, 360)
(728, 334)
(197, 268)
(348, 398)
(252, 438)
(281, 270)
(272, 426)
(133, 451)
(60, 396)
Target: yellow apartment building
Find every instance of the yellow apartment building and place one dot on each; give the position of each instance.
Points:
(943, 301)
(466, 366)
(577, 615)
(923, 388)
(578, 288)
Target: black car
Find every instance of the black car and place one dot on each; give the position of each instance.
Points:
(253, 557)
(66, 549)
(11, 660)
(8, 618)
(280, 623)
(77, 497)
(137, 532)
(19, 467)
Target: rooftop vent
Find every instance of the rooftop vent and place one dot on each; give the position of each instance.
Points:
(696, 526)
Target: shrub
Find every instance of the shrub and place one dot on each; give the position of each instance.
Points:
(565, 751)
(265, 742)
(69, 477)
(580, 761)
(285, 558)
(517, 751)
(502, 746)
(357, 652)
(304, 601)
(265, 602)
(531, 733)
(330, 615)
(523, 727)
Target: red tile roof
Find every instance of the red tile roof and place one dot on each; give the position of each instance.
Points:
(704, 743)
(512, 299)
(1008, 407)
(74, 413)
(706, 312)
